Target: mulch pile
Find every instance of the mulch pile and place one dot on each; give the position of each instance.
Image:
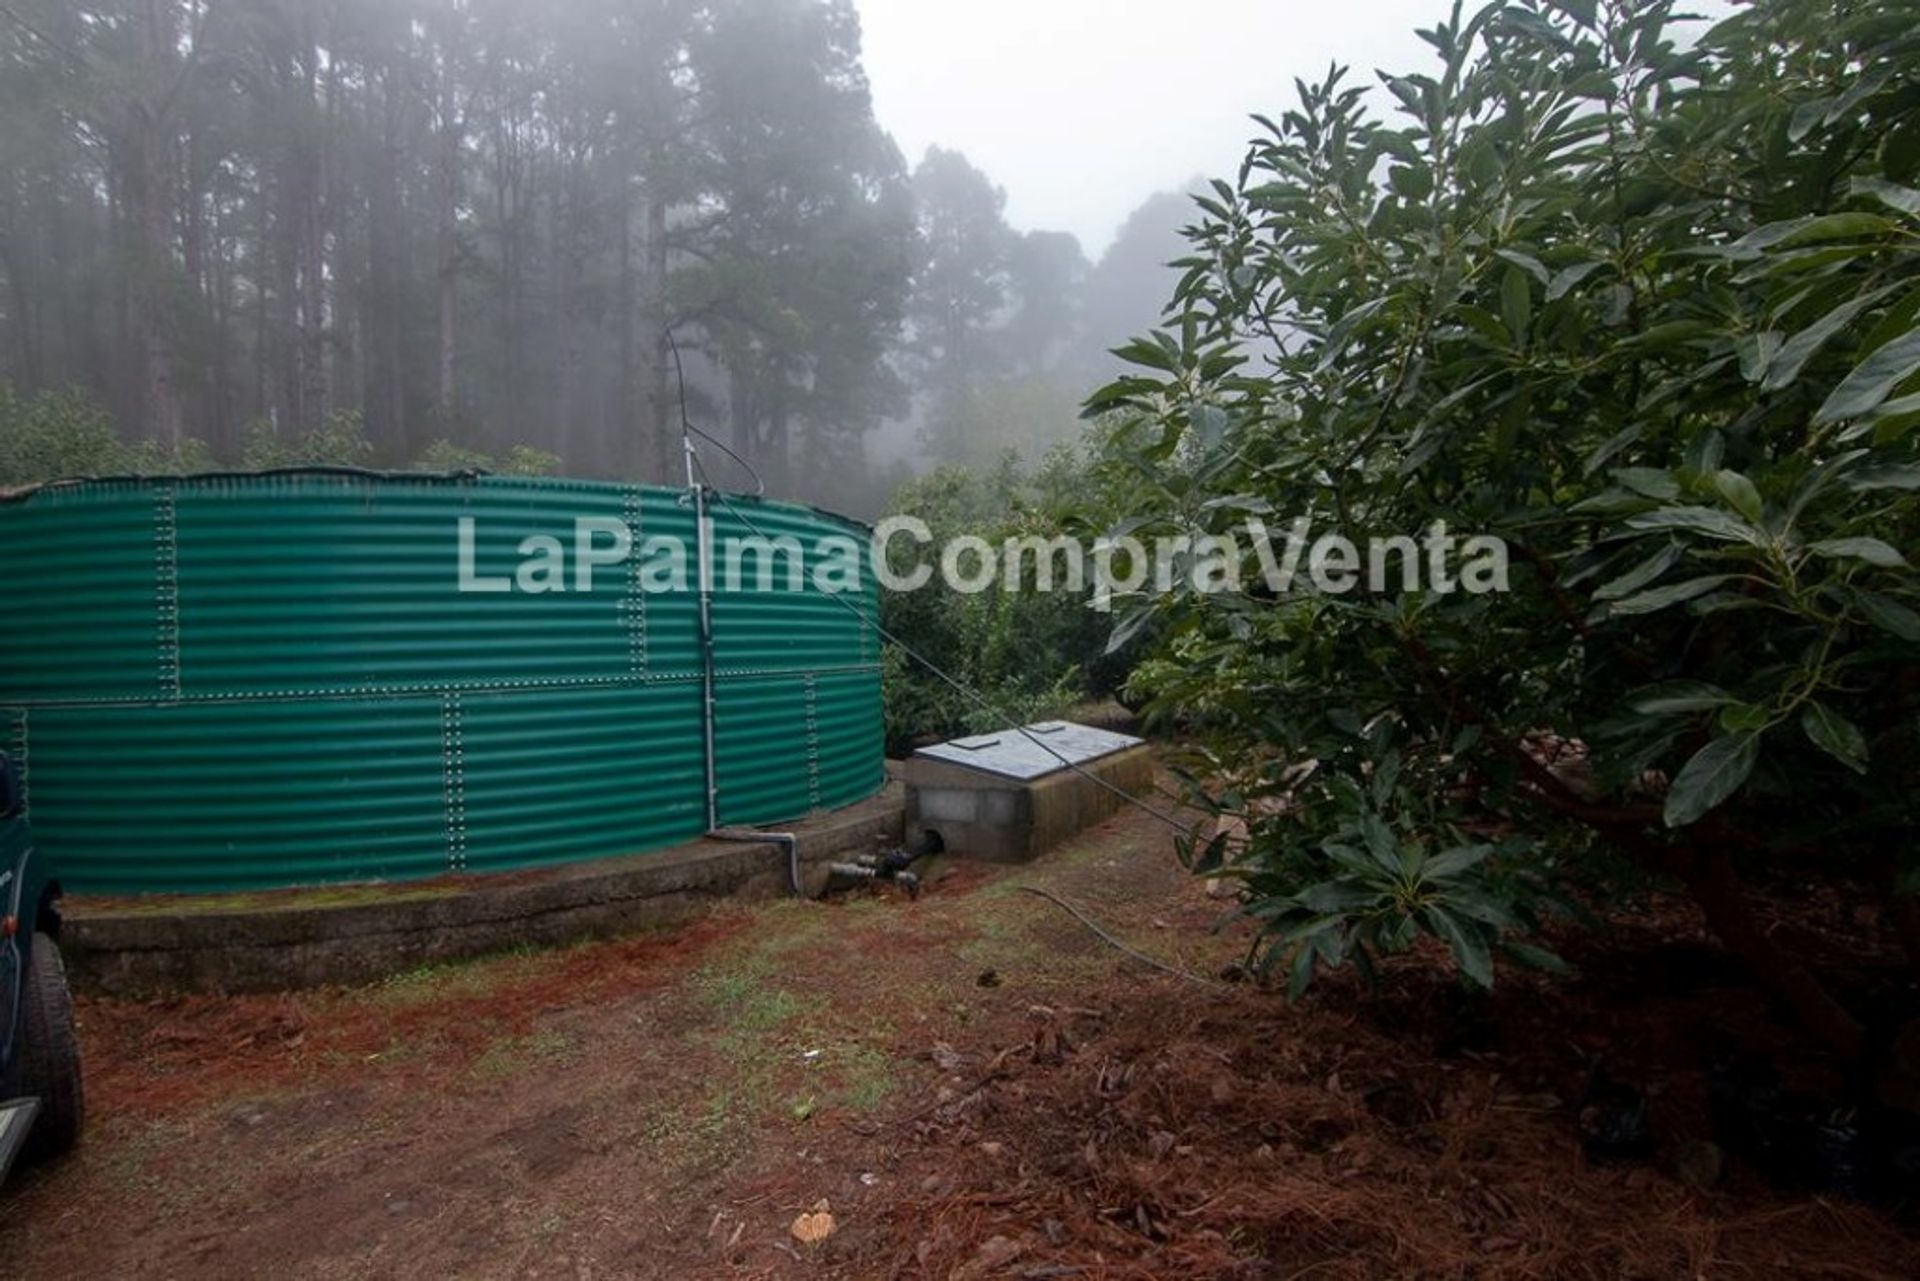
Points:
(1161, 1131)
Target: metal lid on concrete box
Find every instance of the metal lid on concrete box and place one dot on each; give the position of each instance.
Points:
(1042, 749)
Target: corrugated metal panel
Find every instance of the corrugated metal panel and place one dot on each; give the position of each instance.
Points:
(202, 796)
(342, 584)
(553, 776)
(84, 597)
(242, 682)
(762, 743)
(755, 628)
(852, 737)
(671, 620)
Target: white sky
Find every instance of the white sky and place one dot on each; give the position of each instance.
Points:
(1082, 109)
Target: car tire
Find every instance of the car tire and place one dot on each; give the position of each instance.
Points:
(48, 1064)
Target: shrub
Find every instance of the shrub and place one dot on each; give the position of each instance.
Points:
(1648, 312)
(340, 441)
(1033, 654)
(521, 460)
(65, 434)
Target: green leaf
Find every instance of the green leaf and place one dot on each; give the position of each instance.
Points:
(1650, 481)
(1642, 574)
(1128, 628)
(1386, 776)
(1871, 550)
(1349, 858)
(1534, 958)
(1674, 698)
(1757, 352)
(1740, 494)
(1335, 898)
(1700, 520)
(1805, 116)
(1452, 862)
(1888, 615)
(1516, 303)
(1211, 858)
(1611, 447)
(1567, 277)
(1470, 902)
(1715, 773)
(1466, 942)
(1300, 972)
(1888, 477)
(1852, 225)
(1704, 451)
(1412, 182)
(1835, 735)
(1873, 380)
(1611, 502)
(1742, 718)
(1890, 194)
(1792, 357)
(1150, 354)
(1209, 426)
(1121, 391)
(1380, 843)
(1668, 335)
(1672, 594)
(1889, 423)
(1527, 263)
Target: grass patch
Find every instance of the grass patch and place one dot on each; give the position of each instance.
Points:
(248, 901)
(866, 1076)
(462, 977)
(703, 1134)
(514, 1054)
(747, 1002)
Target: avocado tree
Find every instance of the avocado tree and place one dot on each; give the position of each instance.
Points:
(1639, 299)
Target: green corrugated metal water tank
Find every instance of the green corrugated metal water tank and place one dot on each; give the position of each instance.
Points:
(248, 681)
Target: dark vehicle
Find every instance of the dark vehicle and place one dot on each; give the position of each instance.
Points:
(40, 1100)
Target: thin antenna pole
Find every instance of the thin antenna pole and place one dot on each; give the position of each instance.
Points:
(703, 543)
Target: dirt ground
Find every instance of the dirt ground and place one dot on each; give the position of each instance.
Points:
(969, 1084)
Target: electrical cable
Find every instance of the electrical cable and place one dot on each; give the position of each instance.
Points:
(967, 691)
(687, 428)
(959, 686)
(1118, 944)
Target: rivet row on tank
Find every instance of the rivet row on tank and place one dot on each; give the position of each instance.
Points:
(455, 782)
(632, 680)
(813, 743)
(637, 614)
(166, 576)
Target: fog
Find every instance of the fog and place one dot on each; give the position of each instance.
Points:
(459, 232)
(1085, 108)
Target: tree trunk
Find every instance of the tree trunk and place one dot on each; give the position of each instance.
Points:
(220, 427)
(154, 224)
(148, 191)
(24, 315)
(289, 348)
(778, 456)
(447, 245)
(1710, 878)
(744, 411)
(662, 425)
(624, 419)
(385, 291)
(316, 388)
